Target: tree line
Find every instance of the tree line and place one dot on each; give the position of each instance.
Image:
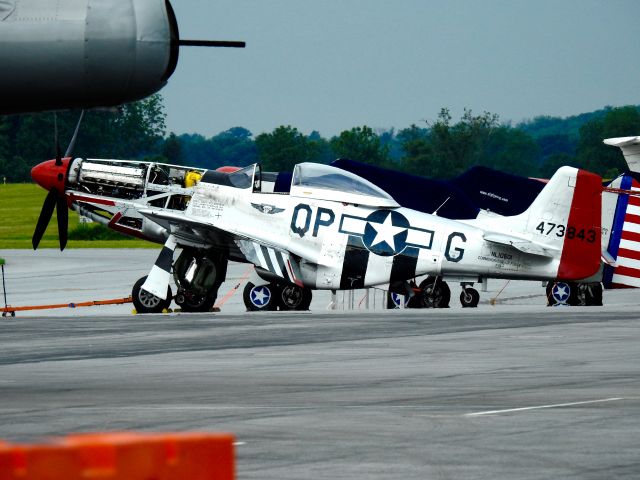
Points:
(442, 148)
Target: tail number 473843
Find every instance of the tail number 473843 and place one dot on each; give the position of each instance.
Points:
(548, 228)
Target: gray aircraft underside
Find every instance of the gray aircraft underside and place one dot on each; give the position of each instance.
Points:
(68, 54)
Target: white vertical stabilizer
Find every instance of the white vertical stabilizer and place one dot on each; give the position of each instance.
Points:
(630, 147)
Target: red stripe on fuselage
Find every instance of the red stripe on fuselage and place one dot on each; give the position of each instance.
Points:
(581, 258)
(98, 201)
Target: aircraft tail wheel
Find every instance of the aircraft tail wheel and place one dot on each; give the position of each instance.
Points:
(293, 297)
(469, 298)
(435, 293)
(146, 302)
(259, 298)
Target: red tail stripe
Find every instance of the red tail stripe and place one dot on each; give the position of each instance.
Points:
(633, 236)
(628, 272)
(629, 217)
(633, 200)
(581, 259)
(626, 253)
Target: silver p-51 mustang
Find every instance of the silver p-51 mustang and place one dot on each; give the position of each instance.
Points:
(318, 228)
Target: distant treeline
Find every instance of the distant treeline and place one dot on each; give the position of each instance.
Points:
(440, 149)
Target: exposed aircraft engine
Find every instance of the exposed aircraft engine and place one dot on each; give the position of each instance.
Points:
(86, 53)
(113, 175)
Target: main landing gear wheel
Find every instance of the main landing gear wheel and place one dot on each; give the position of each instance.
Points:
(435, 293)
(258, 298)
(146, 302)
(293, 297)
(469, 297)
(193, 302)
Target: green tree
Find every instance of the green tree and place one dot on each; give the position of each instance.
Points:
(461, 145)
(417, 150)
(281, 149)
(234, 147)
(554, 162)
(447, 149)
(512, 151)
(4, 148)
(361, 144)
(598, 157)
(172, 149)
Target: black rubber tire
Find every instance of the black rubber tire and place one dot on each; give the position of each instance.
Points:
(146, 302)
(594, 295)
(198, 303)
(434, 293)
(271, 302)
(469, 298)
(293, 297)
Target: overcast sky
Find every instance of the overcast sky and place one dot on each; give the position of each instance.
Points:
(330, 65)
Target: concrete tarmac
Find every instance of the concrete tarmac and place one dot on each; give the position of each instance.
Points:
(518, 392)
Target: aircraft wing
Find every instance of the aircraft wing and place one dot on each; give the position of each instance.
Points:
(240, 247)
(194, 233)
(522, 244)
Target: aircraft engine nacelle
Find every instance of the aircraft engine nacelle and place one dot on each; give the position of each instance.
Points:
(84, 53)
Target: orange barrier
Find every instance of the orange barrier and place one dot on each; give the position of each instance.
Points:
(116, 301)
(122, 456)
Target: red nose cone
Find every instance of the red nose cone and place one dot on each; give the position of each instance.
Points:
(49, 175)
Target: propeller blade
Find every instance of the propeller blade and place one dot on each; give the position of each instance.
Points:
(55, 132)
(72, 143)
(44, 218)
(63, 221)
(211, 43)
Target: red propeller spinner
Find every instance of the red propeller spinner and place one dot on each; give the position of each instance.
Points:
(50, 174)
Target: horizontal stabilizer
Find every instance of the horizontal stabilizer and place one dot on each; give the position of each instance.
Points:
(522, 244)
(630, 147)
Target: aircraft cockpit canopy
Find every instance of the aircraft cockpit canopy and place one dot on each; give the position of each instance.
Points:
(241, 179)
(314, 180)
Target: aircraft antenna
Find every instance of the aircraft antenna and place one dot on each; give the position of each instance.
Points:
(436, 210)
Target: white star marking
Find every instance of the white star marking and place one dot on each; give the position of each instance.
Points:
(259, 296)
(561, 292)
(385, 232)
